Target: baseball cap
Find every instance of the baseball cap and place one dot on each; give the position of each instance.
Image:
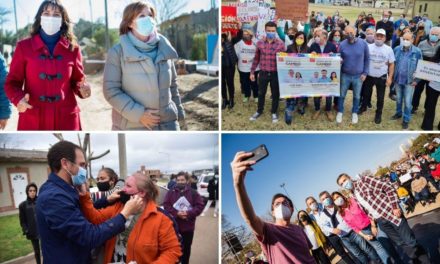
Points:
(381, 31)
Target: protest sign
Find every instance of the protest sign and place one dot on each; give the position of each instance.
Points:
(404, 178)
(308, 74)
(229, 19)
(248, 11)
(292, 10)
(182, 204)
(429, 71)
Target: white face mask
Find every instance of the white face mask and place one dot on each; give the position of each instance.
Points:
(282, 212)
(339, 201)
(50, 25)
(406, 43)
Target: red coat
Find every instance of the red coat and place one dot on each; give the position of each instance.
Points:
(51, 81)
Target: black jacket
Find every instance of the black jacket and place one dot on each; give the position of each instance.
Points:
(387, 26)
(229, 57)
(27, 218)
(213, 189)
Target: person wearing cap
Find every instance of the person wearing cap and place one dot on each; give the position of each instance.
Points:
(380, 200)
(407, 56)
(380, 73)
(429, 48)
(245, 50)
(387, 25)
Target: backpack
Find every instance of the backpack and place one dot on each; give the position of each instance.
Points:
(176, 228)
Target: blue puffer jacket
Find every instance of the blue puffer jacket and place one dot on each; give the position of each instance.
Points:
(5, 105)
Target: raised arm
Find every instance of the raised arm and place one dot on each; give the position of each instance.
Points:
(239, 169)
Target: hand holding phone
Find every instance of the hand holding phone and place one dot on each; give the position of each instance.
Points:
(259, 153)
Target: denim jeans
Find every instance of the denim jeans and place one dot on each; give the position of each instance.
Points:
(290, 108)
(423, 195)
(403, 236)
(380, 250)
(404, 95)
(346, 81)
(359, 247)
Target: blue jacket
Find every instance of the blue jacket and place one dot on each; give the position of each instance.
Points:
(5, 105)
(329, 47)
(415, 56)
(66, 236)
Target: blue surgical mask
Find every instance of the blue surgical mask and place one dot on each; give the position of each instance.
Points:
(145, 25)
(327, 202)
(270, 35)
(348, 184)
(337, 39)
(433, 38)
(80, 177)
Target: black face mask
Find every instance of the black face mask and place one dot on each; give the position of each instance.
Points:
(302, 218)
(291, 37)
(180, 186)
(103, 186)
(124, 197)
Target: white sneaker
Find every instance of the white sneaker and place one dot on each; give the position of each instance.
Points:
(339, 118)
(203, 214)
(215, 215)
(354, 118)
(255, 116)
(274, 118)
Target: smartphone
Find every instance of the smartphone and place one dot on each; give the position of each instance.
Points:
(259, 152)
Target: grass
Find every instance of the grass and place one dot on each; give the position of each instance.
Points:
(12, 241)
(238, 117)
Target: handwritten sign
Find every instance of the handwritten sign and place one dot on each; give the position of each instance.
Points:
(293, 10)
(229, 19)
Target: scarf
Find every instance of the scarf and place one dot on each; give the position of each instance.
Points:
(148, 48)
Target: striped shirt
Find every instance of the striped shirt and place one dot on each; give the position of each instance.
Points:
(266, 55)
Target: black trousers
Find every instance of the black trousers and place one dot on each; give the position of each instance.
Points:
(187, 242)
(430, 105)
(248, 86)
(228, 82)
(338, 246)
(266, 78)
(320, 256)
(403, 236)
(418, 90)
(367, 92)
(36, 246)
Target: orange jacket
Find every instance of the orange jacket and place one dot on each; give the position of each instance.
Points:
(153, 238)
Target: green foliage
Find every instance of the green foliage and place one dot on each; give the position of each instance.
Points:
(420, 141)
(198, 50)
(99, 36)
(14, 244)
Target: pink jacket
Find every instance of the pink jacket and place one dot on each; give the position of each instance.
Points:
(355, 216)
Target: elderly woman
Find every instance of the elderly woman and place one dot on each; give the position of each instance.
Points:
(49, 65)
(140, 77)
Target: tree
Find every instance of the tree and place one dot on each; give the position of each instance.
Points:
(198, 49)
(168, 9)
(3, 19)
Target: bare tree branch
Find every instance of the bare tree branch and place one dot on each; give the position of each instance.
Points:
(168, 9)
(99, 156)
(59, 136)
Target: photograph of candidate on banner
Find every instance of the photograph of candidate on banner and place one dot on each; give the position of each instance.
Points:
(308, 75)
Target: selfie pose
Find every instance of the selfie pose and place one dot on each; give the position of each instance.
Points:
(282, 242)
(49, 64)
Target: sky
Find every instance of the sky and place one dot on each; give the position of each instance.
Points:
(26, 10)
(187, 152)
(306, 163)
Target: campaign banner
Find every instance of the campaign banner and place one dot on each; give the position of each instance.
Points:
(308, 74)
(292, 10)
(429, 71)
(229, 19)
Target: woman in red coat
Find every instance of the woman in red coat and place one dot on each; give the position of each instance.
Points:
(49, 64)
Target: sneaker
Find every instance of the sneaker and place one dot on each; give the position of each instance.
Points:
(316, 114)
(354, 118)
(339, 118)
(405, 125)
(396, 117)
(274, 118)
(245, 99)
(377, 119)
(255, 116)
(215, 215)
(392, 97)
(202, 214)
(330, 116)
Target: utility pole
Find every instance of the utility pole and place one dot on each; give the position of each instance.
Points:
(122, 156)
(16, 22)
(91, 16)
(107, 39)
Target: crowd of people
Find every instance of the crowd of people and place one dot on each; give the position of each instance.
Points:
(120, 222)
(46, 75)
(380, 54)
(363, 222)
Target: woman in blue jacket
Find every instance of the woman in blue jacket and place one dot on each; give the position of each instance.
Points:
(5, 105)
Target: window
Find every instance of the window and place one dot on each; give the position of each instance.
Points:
(426, 7)
(420, 9)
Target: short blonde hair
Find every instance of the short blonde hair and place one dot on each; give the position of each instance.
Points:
(144, 183)
(131, 12)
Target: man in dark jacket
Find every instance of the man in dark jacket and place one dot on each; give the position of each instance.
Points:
(213, 195)
(229, 59)
(27, 219)
(66, 235)
(184, 204)
(321, 45)
(387, 25)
